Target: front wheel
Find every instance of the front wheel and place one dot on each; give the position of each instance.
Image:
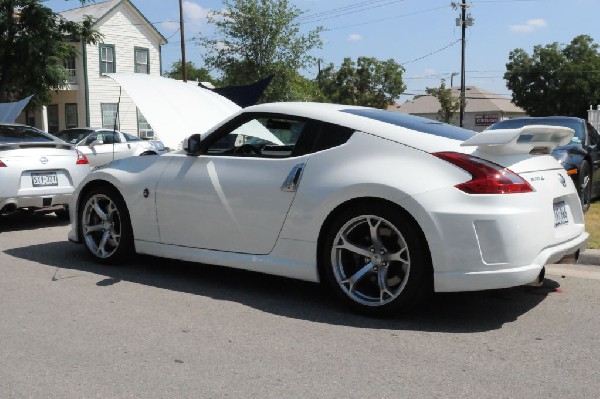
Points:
(376, 260)
(105, 226)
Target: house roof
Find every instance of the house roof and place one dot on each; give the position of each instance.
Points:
(99, 10)
(478, 100)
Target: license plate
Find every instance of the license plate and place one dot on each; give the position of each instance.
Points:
(44, 179)
(561, 217)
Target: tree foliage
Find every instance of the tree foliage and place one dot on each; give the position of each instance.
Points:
(556, 79)
(34, 42)
(448, 104)
(258, 38)
(367, 82)
(199, 74)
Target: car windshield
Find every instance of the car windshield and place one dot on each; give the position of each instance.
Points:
(516, 123)
(22, 134)
(131, 137)
(73, 136)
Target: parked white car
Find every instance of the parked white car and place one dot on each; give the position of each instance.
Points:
(37, 171)
(381, 206)
(102, 146)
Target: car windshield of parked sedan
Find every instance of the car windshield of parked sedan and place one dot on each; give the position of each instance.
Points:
(73, 136)
(131, 137)
(22, 134)
(412, 122)
(574, 124)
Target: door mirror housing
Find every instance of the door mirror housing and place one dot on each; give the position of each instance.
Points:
(192, 145)
(95, 143)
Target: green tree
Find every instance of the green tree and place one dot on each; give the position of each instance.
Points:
(367, 82)
(258, 38)
(34, 42)
(448, 104)
(193, 72)
(556, 79)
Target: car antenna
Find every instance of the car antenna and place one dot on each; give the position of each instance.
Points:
(115, 124)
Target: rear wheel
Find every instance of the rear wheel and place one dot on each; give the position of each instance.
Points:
(585, 185)
(376, 260)
(105, 226)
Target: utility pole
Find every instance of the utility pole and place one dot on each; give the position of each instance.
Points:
(182, 31)
(464, 20)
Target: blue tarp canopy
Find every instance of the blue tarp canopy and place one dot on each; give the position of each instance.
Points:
(10, 111)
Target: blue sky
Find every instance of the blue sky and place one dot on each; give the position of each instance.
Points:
(420, 34)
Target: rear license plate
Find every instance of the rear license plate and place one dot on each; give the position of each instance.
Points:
(561, 217)
(44, 179)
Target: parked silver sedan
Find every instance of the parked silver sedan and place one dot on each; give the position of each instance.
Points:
(37, 171)
(102, 146)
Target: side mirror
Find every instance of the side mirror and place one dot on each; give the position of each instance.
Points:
(191, 145)
(95, 143)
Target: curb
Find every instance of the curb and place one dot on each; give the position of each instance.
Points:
(589, 257)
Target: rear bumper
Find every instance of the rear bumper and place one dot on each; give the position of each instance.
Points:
(37, 202)
(509, 277)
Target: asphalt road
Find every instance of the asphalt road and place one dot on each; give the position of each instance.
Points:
(155, 328)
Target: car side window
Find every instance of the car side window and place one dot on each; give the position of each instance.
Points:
(110, 137)
(593, 133)
(91, 138)
(265, 136)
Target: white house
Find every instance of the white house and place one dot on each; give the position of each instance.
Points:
(483, 108)
(130, 43)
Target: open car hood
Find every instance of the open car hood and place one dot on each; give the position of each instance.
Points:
(175, 109)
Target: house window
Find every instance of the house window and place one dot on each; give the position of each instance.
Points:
(110, 115)
(143, 125)
(69, 64)
(107, 58)
(53, 118)
(142, 60)
(71, 119)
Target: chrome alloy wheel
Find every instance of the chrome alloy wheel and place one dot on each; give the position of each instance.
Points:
(370, 260)
(101, 226)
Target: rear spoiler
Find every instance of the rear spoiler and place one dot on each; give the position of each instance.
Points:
(524, 140)
(45, 144)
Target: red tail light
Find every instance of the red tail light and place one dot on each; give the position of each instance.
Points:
(488, 178)
(81, 159)
(2, 164)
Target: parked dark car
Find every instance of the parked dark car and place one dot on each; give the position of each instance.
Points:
(580, 158)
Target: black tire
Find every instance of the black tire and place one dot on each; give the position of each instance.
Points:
(376, 260)
(105, 226)
(585, 185)
(62, 214)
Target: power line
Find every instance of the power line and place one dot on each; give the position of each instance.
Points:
(432, 53)
(387, 18)
(346, 10)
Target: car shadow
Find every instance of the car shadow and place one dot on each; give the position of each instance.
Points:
(29, 221)
(448, 312)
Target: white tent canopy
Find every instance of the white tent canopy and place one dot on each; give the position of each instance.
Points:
(175, 109)
(10, 111)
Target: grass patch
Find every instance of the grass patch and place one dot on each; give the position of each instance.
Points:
(592, 225)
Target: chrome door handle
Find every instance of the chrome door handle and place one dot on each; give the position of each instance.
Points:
(291, 181)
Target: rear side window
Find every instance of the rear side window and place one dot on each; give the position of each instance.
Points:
(22, 134)
(412, 122)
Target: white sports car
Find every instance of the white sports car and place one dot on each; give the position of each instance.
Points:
(37, 171)
(381, 206)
